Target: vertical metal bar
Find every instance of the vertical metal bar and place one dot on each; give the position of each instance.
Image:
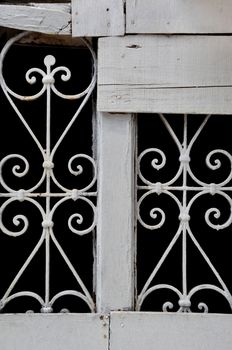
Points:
(47, 245)
(184, 205)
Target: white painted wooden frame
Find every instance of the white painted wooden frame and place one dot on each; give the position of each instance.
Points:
(178, 16)
(54, 332)
(115, 231)
(167, 331)
(153, 74)
(167, 74)
(133, 76)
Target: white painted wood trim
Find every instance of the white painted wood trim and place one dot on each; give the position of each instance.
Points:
(169, 74)
(98, 17)
(178, 16)
(54, 331)
(136, 99)
(115, 231)
(43, 18)
(162, 331)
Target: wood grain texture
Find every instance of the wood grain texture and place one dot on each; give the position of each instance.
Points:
(43, 18)
(53, 332)
(169, 74)
(179, 16)
(98, 18)
(115, 230)
(164, 331)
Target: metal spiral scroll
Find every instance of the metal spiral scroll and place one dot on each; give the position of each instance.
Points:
(157, 217)
(21, 168)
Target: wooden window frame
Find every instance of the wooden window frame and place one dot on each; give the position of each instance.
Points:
(113, 326)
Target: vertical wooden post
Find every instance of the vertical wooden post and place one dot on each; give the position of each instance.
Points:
(115, 232)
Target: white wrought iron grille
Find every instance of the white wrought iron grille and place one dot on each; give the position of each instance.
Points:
(184, 213)
(48, 184)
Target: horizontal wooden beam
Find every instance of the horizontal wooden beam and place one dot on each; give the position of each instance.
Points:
(179, 16)
(54, 331)
(165, 331)
(176, 74)
(42, 17)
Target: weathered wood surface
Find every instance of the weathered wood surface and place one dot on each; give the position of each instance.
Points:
(175, 74)
(170, 331)
(98, 18)
(37, 1)
(53, 332)
(43, 18)
(115, 231)
(179, 16)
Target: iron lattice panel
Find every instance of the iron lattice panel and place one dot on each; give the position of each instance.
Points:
(47, 178)
(184, 213)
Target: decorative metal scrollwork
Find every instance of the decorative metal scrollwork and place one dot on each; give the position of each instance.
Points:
(185, 189)
(20, 168)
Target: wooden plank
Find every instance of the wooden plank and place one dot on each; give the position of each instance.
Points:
(131, 99)
(175, 74)
(179, 16)
(115, 231)
(43, 18)
(170, 331)
(54, 332)
(98, 18)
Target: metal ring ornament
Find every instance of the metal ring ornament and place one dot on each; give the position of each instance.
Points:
(47, 77)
